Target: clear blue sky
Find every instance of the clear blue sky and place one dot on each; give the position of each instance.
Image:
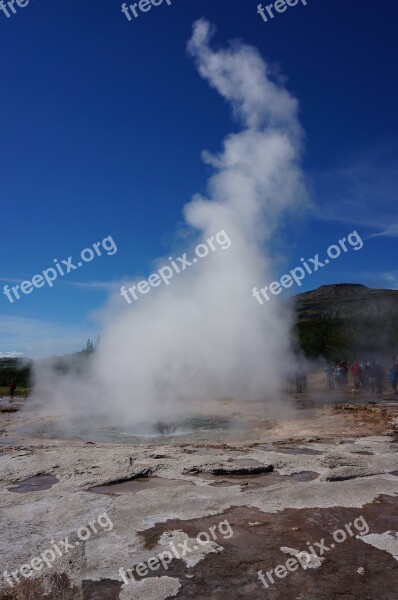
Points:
(103, 122)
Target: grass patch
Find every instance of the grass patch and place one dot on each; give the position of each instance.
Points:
(20, 391)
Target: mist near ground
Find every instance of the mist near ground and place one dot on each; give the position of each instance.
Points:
(204, 336)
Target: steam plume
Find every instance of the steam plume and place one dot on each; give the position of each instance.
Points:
(204, 336)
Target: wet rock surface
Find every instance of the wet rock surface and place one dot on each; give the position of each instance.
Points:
(277, 490)
(257, 545)
(267, 479)
(137, 484)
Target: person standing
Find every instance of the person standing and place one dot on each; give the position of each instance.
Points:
(338, 375)
(394, 376)
(356, 373)
(379, 378)
(372, 377)
(344, 375)
(329, 377)
(13, 387)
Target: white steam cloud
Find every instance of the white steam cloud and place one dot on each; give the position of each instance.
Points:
(204, 337)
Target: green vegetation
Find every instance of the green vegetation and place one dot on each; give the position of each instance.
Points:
(336, 339)
(20, 391)
(14, 369)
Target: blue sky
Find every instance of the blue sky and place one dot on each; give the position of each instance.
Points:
(103, 122)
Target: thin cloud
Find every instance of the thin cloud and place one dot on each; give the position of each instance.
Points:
(390, 231)
(391, 277)
(361, 191)
(96, 285)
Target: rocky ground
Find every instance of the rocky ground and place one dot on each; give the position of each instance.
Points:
(199, 518)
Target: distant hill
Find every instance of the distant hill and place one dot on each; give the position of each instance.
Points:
(347, 321)
(346, 301)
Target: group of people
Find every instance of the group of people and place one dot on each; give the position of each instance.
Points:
(366, 376)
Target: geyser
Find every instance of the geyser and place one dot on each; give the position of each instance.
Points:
(203, 338)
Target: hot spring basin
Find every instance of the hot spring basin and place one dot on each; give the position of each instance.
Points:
(37, 483)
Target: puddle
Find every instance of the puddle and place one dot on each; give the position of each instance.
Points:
(395, 473)
(261, 480)
(138, 485)
(37, 483)
(363, 453)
